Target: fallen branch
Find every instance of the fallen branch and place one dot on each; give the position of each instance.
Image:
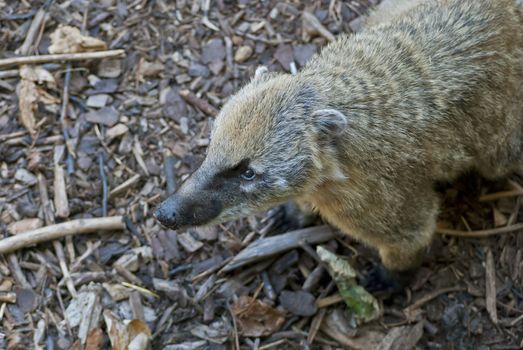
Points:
(480, 233)
(81, 56)
(266, 247)
(52, 232)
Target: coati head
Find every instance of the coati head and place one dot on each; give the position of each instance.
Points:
(272, 141)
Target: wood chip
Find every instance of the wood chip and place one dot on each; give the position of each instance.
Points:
(490, 287)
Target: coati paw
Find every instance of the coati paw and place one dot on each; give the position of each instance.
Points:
(385, 282)
(285, 218)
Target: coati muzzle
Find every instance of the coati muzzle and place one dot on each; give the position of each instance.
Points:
(179, 211)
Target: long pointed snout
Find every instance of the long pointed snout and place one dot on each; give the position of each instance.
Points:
(193, 204)
(167, 212)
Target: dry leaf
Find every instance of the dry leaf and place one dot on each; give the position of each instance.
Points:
(68, 39)
(37, 74)
(255, 318)
(24, 225)
(94, 339)
(29, 95)
(135, 335)
(27, 99)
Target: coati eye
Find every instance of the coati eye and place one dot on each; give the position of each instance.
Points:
(248, 175)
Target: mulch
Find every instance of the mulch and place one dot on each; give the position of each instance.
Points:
(110, 137)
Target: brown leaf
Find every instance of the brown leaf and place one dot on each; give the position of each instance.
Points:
(400, 338)
(29, 94)
(94, 339)
(24, 225)
(116, 331)
(135, 335)
(27, 98)
(68, 39)
(255, 318)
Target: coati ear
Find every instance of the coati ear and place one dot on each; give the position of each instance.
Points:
(260, 74)
(329, 122)
(260, 71)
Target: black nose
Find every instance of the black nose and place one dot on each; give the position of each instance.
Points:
(166, 215)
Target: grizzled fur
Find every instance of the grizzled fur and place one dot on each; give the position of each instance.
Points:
(364, 131)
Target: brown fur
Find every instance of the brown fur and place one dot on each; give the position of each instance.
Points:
(364, 131)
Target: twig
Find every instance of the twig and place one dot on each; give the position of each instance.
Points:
(318, 319)
(90, 249)
(141, 290)
(328, 301)
(270, 246)
(7, 297)
(199, 103)
(499, 195)
(126, 184)
(80, 56)
(63, 111)
(43, 234)
(490, 287)
(480, 233)
(16, 270)
(12, 73)
(430, 296)
(104, 183)
(32, 32)
(235, 328)
(50, 220)
(61, 202)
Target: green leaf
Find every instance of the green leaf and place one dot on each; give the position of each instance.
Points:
(363, 306)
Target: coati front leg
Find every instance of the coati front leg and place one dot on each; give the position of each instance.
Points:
(401, 257)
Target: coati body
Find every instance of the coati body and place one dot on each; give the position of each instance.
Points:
(369, 125)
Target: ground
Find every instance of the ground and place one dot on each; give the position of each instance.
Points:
(135, 127)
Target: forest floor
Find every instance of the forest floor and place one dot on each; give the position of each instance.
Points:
(97, 138)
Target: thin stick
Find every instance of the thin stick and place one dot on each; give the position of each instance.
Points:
(499, 195)
(16, 271)
(12, 73)
(480, 233)
(490, 287)
(235, 329)
(125, 185)
(48, 233)
(104, 183)
(32, 32)
(430, 296)
(199, 103)
(7, 297)
(80, 56)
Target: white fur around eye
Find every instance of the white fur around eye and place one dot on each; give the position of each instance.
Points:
(248, 187)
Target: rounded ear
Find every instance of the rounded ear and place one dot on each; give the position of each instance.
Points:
(329, 122)
(260, 71)
(260, 74)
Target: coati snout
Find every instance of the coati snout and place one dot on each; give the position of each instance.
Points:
(178, 212)
(196, 202)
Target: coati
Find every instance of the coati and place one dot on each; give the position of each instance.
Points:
(364, 131)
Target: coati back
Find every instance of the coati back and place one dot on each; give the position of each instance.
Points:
(368, 126)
